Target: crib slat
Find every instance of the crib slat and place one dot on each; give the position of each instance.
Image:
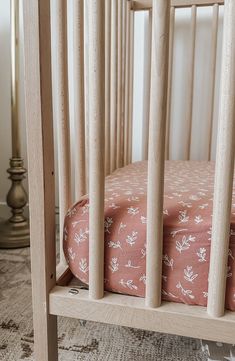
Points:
(124, 12)
(147, 73)
(131, 83)
(119, 85)
(190, 82)
(224, 170)
(157, 127)
(113, 82)
(127, 78)
(79, 98)
(211, 92)
(61, 109)
(169, 88)
(107, 84)
(96, 146)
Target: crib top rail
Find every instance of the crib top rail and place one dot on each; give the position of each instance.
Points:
(138, 5)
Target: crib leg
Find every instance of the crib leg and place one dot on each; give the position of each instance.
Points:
(45, 336)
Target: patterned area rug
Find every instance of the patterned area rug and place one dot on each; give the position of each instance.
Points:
(78, 340)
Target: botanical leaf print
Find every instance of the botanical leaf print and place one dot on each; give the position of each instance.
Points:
(128, 284)
(133, 211)
(114, 265)
(184, 291)
(168, 262)
(201, 253)
(81, 236)
(83, 266)
(187, 217)
(189, 275)
(185, 243)
(183, 217)
(107, 224)
(114, 244)
(131, 238)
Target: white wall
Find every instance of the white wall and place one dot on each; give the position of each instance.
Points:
(178, 94)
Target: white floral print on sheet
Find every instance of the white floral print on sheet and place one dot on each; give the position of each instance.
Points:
(187, 216)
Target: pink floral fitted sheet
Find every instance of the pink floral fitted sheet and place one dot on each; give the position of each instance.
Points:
(188, 198)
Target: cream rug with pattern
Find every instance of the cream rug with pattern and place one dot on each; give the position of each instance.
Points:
(80, 340)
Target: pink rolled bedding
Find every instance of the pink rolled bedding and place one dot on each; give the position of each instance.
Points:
(188, 199)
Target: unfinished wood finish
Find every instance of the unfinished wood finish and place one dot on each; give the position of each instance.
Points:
(173, 318)
(61, 109)
(131, 90)
(96, 15)
(119, 85)
(124, 23)
(38, 101)
(138, 5)
(127, 80)
(113, 86)
(190, 82)
(107, 84)
(147, 75)
(79, 98)
(212, 74)
(169, 87)
(224, 170)
(157, 129)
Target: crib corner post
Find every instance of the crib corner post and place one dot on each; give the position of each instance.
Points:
(39, 125)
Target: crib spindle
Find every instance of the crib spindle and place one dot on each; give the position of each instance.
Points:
(96, 16)
(212, 74)
(127, 78)
(119, 85)
(61, 109)
(79, 98)
(190, 81)
(113, 85)
(147, 73)
(169, 88)
(107, 84)
(157, 127)
(131, 83)
(224, 170)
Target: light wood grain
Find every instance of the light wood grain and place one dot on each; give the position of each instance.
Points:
(138, 5)
(131, 90)
(61, 109)
(107, 83)
(212, 75)
(224, 170)
(79, 98)
(147, 74)
(96, 15)
(127, 81)
(169, 87)
(173, 318)
(119, 85)
(38, 101)
(157, 128)
(190, 82)
(113, 86)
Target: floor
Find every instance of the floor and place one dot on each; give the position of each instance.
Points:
(80, 340)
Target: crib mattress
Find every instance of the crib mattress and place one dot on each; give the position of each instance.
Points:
(188, 197)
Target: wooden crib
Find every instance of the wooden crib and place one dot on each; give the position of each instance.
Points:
(110, 141)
